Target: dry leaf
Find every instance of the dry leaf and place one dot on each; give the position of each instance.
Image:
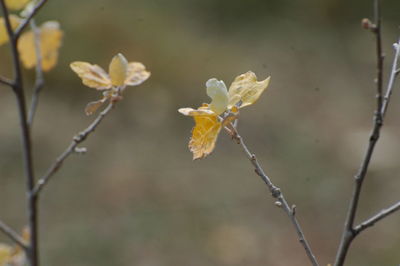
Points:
(14, 20)
(247, 89)
(16, 4)
(50, 41)
(204, 135)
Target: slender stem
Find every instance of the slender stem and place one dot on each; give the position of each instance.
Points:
(79, 138)
(14, 236)
(349, 232)
(377, 217)
(17, 86)
(39, 82)
(278, 195)
(28, 18)
(6, 81)
(394, 72)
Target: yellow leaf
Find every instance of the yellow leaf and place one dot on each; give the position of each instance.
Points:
(217, 91)
(16, 4)
(136, 74)
(118, 70)
(14, 20)
(49, 42)
(247, 89)
(204, 135)
(92, 76)
(5, 254)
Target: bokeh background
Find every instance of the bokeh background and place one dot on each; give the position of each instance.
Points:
(137, 198)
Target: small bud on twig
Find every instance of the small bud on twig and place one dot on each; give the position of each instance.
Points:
(278, 204)
(367, 24)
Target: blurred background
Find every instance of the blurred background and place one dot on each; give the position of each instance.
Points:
(137, 198)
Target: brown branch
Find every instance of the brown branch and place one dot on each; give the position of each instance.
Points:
(277, 194)
(14, 236)
(17, 85)
(349, 232)
(376, 218)
(6, 81)
(79, 138)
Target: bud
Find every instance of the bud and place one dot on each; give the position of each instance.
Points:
(367, 24)
(118, 70)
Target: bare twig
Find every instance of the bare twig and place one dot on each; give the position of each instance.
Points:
(14, 236)
(39, 82)
(277, 194)
(349, 232)
(17, 85)
(376, 218)
(28, 18)
(6, 81)
(80, 137)
(392, 78)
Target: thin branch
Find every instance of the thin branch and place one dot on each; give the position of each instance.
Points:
(14, 236)
(28, 18)
(277, 194)
(39, 82)
(6, 81)
(79, 138)
(349, 232)
(32, 251)
(392, 78)
(376, 218)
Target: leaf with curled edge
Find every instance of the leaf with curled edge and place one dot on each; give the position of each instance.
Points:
(247, 89)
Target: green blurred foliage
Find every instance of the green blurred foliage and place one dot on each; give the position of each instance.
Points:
(136, 198)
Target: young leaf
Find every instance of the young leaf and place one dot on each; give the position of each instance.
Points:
(217, 91)
(118, 70)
